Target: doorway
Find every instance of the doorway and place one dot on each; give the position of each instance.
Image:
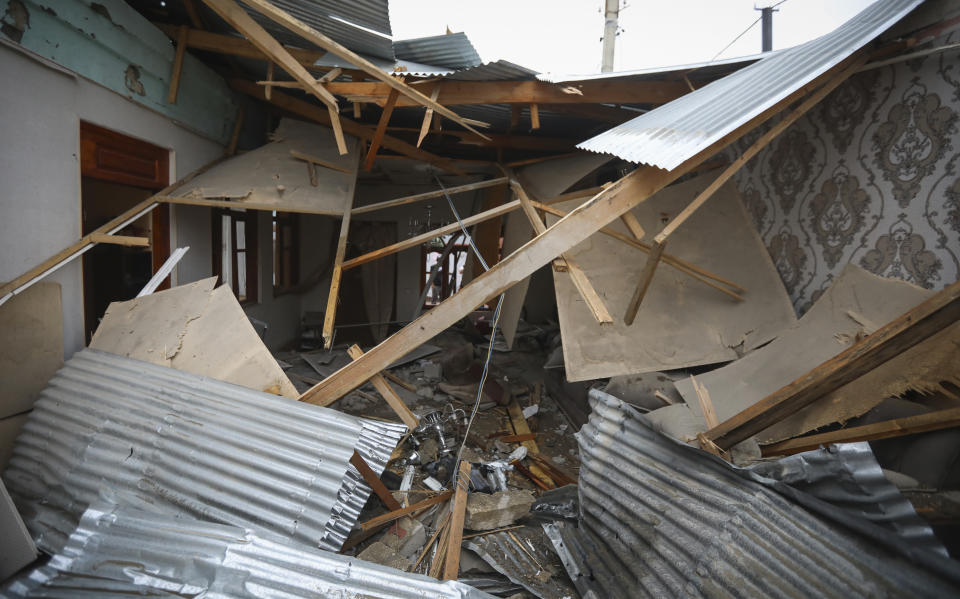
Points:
(116, 173)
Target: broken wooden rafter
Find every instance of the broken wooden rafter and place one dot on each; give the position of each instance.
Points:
(579, 278)
(887, 429)
(381, 130)
(313, 36)
(236, 46)
(427, 117)
(897, 336)
(177, 64)
(646, 277)
(319, 162)
(374, 482)
(429, 195)
(333, 296)
(120, 240)
(429, 235)
(397, 514)
(575, 227)
(458, 513)
(231, 12)
(388, 394)
(321, 116)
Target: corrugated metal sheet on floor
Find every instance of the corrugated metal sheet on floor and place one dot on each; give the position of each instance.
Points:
(669, 135)
(190, 446)
(453, 50)
(118, 551)
(523, 555)
(659, 518)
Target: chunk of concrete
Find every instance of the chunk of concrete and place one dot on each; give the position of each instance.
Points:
(487, 512)
(406, 537)
(380, 553)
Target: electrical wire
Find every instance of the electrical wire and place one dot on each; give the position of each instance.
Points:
(493, 335)
(725, 48)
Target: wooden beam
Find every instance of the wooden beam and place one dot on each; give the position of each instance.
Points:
(578, 225)
(888, 429)
(430, 195)
(539, 159)
(177, 64)
(330, 75)
(424, 237)
(757, 146)
(646, 277)
(427, 117)
(579, 278)
(313, 36)
(333, 297)
(456, 93)
(319, 162)
(899, 335)
(520, 427)
(193, 14)
(633, 225)
(230, 12)
(701, 274)
(120, 240)
(458, 513)
(374, 482)
(381, 130)
(319, 115)
(534, 116)
(232, 45)
(397, 514)
(235, 136)
(388, 394)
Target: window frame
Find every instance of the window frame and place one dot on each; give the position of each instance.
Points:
(282, 241)
(250, 250)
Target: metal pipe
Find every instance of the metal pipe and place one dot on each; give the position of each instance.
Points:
(611, 15)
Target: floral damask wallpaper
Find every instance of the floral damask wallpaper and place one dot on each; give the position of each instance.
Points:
(870, 176)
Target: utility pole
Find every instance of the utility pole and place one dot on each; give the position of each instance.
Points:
(611, 14)
(766, 22)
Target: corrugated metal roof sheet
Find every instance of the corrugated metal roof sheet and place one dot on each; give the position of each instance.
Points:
(657, 72)
(500, 70)
(190, 446)
(660, 518)
(453, 50)
(669, 135)
(524, 556)
(118, 551)
(400, 68)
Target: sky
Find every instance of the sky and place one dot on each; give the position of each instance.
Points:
(564, 36)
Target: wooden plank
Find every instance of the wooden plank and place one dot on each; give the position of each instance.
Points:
(381, 130)
(331, 75)
(230, 12)
(706, 405)
(387, 392)
(458, 513)
(429, 195)
(427, 117)
(319, 161)
(888, 429)
(701, 274)
(534, 116)
(397, 514)
(120, 240)
(424, 237)
(426, 548)
(633, 225)
(312, 35)
(321, 116)
(177, 64)
(757, 146)
(579, 278)
(575, 227)
(330, 316)
(268, 91)
(520, 427)
(456, 93)
(374, 481)
(933, 315)
(394, 378)
(646, 277)
(232, 45)
(235, 136)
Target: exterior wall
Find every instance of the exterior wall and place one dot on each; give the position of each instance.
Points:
(870, 176)
(40, 170)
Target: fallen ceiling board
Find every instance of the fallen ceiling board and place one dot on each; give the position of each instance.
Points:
(269, 177)
(541, 181)
(32, 349)
(682, 322)
(194, 328)
(18, 547)
(856, 304)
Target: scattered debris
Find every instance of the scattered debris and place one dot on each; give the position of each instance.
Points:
(487, 512)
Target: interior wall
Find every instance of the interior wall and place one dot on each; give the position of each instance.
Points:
(870, 176)
(40, 170)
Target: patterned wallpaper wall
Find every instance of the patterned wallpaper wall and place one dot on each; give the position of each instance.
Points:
(869, 176)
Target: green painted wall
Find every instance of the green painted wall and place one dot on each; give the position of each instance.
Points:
(110, 43)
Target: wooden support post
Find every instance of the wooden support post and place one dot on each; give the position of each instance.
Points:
(424, 237)
(429, 195)
(120, 240)
(579, 278)
(357, 114)
(646, 277)
(319, 162)
(458, 513)
(888, 429)
(389, 395)
(381, 130)
(932, 316)
(397, 514)
(374, 482)
(268, 91)
(177, 64)
(330, 316)
(427, 117)
(534, 116)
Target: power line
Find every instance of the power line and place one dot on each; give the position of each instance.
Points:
(744, 32)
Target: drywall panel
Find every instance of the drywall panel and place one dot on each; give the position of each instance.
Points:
(32, 348)
(682, 322)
